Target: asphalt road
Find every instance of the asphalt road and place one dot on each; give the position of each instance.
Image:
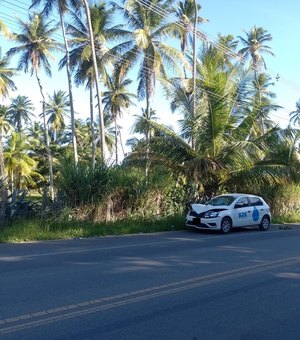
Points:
(176, 285)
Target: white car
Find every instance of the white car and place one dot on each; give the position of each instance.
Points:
(228, 211)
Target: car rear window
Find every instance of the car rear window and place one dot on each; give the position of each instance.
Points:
(255, 201)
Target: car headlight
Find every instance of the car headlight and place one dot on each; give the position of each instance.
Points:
(211, 214)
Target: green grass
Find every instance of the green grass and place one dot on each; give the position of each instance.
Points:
(32, 230)
(286, 219)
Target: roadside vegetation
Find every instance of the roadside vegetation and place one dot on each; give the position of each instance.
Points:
(61, 177)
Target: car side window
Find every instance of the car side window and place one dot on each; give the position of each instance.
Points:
(242, 202)
(255, 201)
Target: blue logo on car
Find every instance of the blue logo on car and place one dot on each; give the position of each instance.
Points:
(255, 214)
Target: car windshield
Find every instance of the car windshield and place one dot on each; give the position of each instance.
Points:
(221, 200)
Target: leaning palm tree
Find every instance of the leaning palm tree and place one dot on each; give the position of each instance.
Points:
(116, 101)
(57, 108)
(20, 111)
(36, 45)
(63, 6)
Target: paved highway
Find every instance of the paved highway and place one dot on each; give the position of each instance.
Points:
(176, 285)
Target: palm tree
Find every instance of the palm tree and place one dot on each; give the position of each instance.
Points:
(81, 53)
(57, 108)
(6, 73)
(4, 128)
(295, 115)
(186, 13)
(19, 111)
(116, 101)
(18, 163)
(145, 47)
(35, 48)
(6, 84)
(95, 69)
(62, 7)
(262, 102)
(3, 28)
(255, 46)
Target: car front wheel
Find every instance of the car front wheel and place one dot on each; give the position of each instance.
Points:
(226, 225)
(265, 223)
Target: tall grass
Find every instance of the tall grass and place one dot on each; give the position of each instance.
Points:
(31, 230)
(81, 185)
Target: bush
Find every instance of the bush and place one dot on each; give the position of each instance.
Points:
(81, 185)
(284, 201)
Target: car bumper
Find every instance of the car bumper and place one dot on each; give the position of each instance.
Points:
(203, 223)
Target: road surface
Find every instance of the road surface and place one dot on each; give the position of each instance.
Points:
(172, 285)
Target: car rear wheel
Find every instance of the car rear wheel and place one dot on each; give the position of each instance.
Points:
(265, 223)
(226, 225)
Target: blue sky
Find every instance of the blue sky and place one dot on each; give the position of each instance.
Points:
(225, 17)
(281, 19)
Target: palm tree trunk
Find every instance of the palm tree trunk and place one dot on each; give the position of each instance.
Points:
(74, 141)
(116, 138)
(194, 69)
(148, 137)
(2, 183)
(92, 125)
(51, 186)
(121, 142)
(95, 67)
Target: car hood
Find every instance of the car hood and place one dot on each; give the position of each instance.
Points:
(200, 208)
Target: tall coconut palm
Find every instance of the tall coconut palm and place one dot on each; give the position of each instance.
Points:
(186, 13)
(116, 101)
(254, 47)
(63, 6)
(263, 102)
(4, 129)
(146, 47)
(36, 45)
(95, 69)
(57, 108)
(81, 54)
(6, 84)
(20, 111)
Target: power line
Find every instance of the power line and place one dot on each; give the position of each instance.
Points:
(203, 36)
(199, 34)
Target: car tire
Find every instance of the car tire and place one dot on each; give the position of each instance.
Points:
(265, 223)
(226, 225)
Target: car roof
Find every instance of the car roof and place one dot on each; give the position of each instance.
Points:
(235, 195)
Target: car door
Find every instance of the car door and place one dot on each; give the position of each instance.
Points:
(257, 209)
(242, 213)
